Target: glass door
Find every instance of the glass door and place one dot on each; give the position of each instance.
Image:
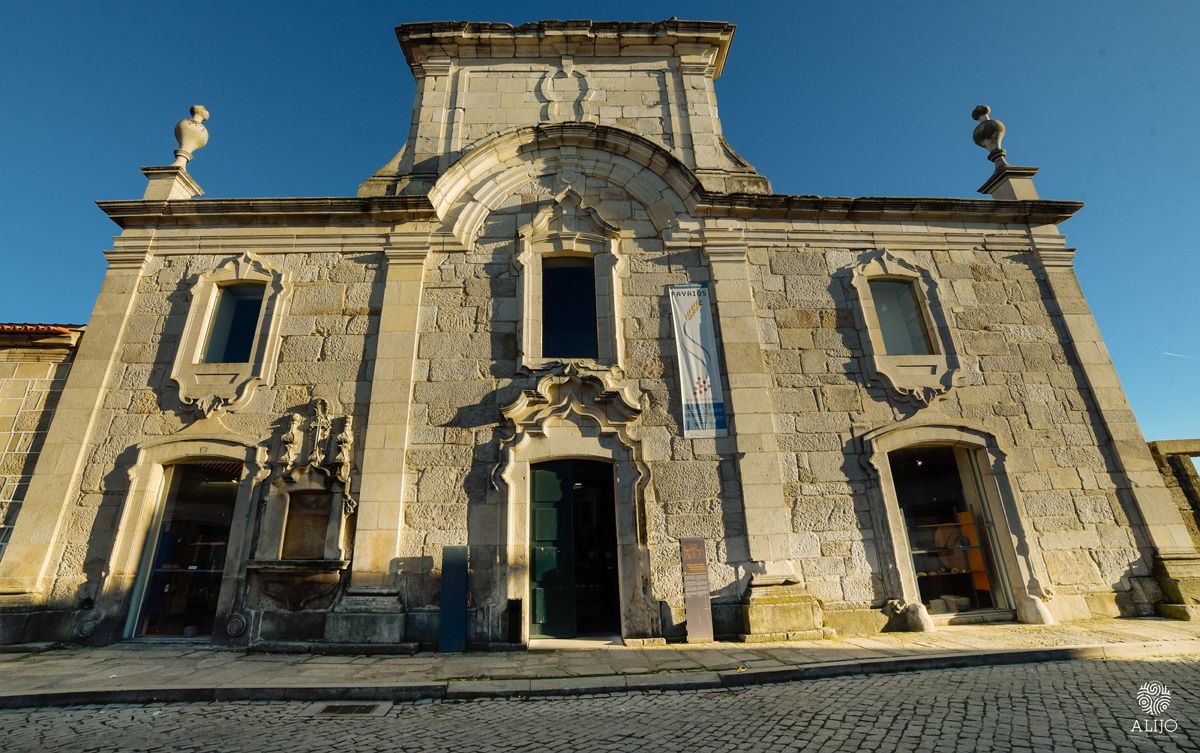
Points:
(573, 542)
(183, 582)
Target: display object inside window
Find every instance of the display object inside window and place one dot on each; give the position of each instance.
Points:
(946, 530)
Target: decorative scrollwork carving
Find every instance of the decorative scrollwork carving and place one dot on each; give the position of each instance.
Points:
(235, 625)
(574, 394)
(314, 451)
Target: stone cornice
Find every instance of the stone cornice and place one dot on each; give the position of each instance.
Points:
(286, 211)
(462, 40)
(22, 328)
(1056, 257)
(332, 210)
(125, 258)
(868, 208)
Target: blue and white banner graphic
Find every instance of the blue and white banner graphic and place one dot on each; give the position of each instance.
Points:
(699, 370)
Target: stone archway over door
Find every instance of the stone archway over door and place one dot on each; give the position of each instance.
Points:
(1024, 574)
(577, 417)
(184, 562)
(142, 513)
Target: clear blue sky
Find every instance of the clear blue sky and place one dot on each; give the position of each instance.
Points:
(838, 99)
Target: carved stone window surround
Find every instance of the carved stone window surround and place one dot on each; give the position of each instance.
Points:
(217, 387)
(568, 227)
(273, 522)
(919, 378)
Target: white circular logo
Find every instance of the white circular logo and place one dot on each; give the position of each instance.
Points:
(1153, 697)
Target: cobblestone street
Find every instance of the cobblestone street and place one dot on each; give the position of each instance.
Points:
(1078, 705)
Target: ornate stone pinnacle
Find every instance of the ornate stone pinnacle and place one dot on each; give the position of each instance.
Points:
(989, 134)
(191, 135)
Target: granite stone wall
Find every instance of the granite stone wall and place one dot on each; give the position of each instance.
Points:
(1016, 381)
(29, 391)
(325, 351)
(468, 368)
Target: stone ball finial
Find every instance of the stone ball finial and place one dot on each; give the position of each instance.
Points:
(989, 134)
(191, 135)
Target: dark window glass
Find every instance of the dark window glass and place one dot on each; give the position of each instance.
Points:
(231, 336)
(568, 308)
(307, 522)
(900, 320)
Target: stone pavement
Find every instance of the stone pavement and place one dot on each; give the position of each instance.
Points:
(148, 671)
(1027, 708)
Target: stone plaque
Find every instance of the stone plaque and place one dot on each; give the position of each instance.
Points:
(696, 602)
(452, 622)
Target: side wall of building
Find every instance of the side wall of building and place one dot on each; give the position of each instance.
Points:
(33, 368)
(1017, 382)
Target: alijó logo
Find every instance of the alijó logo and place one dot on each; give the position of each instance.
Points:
(1154, 698)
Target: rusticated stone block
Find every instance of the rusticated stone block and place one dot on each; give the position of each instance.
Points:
(772, 611)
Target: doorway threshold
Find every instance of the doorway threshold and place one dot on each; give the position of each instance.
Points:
(581, 643)
(975, 617)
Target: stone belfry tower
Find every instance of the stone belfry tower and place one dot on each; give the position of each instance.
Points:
(505, 118)
(478, 80)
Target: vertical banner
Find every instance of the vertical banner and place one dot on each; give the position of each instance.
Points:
(696, 351)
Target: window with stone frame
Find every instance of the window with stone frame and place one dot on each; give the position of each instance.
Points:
(907, 344)
(570, 269)
(569, 307)
(231, 337)
(902, 324)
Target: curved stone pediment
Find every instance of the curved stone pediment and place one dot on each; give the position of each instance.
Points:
(483, 179)
(590, 397)
(572, 399)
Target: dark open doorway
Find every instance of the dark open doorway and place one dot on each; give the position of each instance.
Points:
(183, 582)
(949, 531)
(574, 550)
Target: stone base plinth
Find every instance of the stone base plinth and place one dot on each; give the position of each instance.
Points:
(1189, 612)
(855, 621)
(1178, 576)
(366, 620)
(783, 611)
(644, 642)
(1180, 590)
(37, 625)
(797, 635)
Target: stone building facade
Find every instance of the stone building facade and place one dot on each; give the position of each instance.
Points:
(285, 410)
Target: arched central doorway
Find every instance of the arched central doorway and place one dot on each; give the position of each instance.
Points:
(184, 563)
(573, 543)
